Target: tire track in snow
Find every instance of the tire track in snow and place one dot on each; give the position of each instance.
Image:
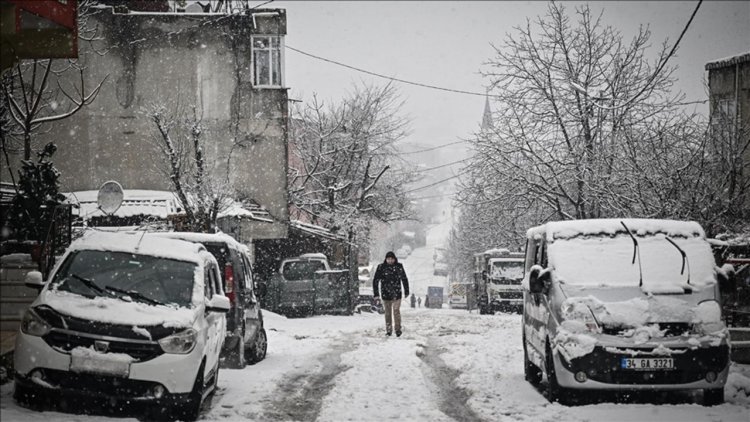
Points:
(453, 399)
(300, 396)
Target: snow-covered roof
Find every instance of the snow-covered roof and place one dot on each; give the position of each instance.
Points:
(200, 237)
(316, 230)
(728, 61)
(135, 202)
(496, 251)
(638, 226)
(246, 209)
(136, 242)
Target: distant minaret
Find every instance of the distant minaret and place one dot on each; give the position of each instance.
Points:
(487, 125)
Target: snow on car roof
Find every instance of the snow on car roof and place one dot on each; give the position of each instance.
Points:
(134, 242)
(639, 226)
(313, 255)
(200, 237)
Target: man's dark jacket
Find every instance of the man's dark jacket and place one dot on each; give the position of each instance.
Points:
(390, 278)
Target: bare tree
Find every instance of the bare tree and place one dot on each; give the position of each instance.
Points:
(179, 139)
(345, 170)
(585, 126)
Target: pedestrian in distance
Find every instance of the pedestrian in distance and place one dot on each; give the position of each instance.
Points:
(419, 302)
(426, 301)
(413, 301)
(387, 282)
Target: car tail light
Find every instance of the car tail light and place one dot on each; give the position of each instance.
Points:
(229, 277)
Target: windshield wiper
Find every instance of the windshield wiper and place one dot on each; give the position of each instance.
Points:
(684, 258)
(89, 283)
(636, 251)
(135, 294)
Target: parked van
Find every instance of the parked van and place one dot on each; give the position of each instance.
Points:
(246, 341)
(124, 318)
(623, 304)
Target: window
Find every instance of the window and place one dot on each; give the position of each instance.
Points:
(267, 60)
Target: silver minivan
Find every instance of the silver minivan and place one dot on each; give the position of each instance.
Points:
(623, 304)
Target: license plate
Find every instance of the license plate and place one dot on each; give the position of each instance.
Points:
(98, 364)
(647, 364)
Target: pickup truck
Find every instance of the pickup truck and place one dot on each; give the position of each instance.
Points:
(306, 285)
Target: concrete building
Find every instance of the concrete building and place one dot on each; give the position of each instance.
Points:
(729, 99)
(227, 69)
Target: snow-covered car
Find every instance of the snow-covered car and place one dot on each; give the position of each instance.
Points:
(401, 253)
(629, 304)
(124, 317)
(246, 340)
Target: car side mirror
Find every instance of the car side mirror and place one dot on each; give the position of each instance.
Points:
(725, 276)
(34, 280)
(218, 303)
(538, 282)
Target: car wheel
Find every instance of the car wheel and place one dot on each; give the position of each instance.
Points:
(190, 409)
(257, 352)
(713, 396)
(555, 393)
(532, 373)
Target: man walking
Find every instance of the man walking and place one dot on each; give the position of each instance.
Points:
(390, 276)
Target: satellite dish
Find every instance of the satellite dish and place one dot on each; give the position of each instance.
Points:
(110, 197)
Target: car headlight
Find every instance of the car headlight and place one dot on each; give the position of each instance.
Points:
(181, 343)
(33, 324)
(578, 318)
(708, 317)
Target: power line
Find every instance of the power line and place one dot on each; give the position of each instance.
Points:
(457, 91)
(659, 68)
(434, 148)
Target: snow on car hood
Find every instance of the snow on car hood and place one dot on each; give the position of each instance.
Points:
(117, 311)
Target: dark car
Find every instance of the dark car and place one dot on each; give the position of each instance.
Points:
(246, 340)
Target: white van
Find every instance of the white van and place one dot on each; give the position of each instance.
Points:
(623, 304)
(128, 319)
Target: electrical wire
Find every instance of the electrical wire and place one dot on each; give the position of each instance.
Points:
(659, 68)
(390, 78)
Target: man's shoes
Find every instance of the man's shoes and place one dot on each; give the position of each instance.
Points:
(388, 333)
(398, 334)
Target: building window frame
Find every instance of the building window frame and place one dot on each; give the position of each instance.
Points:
(267, 61)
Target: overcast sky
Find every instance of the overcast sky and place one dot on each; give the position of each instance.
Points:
(444, 43)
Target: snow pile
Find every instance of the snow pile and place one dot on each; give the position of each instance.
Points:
(737, 388)
(116, 311)
(570, 341)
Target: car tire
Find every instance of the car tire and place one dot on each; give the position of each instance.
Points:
(555, 393)
(190, 409)
(257, 352)
(713, 396)
(531, 372)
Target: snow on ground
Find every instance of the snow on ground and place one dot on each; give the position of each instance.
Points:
(448, 365)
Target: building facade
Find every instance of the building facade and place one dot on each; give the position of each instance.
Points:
(225, 70)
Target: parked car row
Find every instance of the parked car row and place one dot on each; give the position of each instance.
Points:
(138, 317)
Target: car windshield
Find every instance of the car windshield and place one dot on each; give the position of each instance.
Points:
(300, 270)
(608, 261)
(119, 274)
(507, 269)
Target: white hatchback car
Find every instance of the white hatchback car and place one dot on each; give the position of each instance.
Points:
(124, 318)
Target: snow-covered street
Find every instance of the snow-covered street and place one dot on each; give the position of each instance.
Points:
(448, 365)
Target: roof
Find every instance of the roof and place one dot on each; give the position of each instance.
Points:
(638, 226)
(247, 209)
(728, 61)
(316, 231)
(200, 238)
(135, 202)
(133, 242)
